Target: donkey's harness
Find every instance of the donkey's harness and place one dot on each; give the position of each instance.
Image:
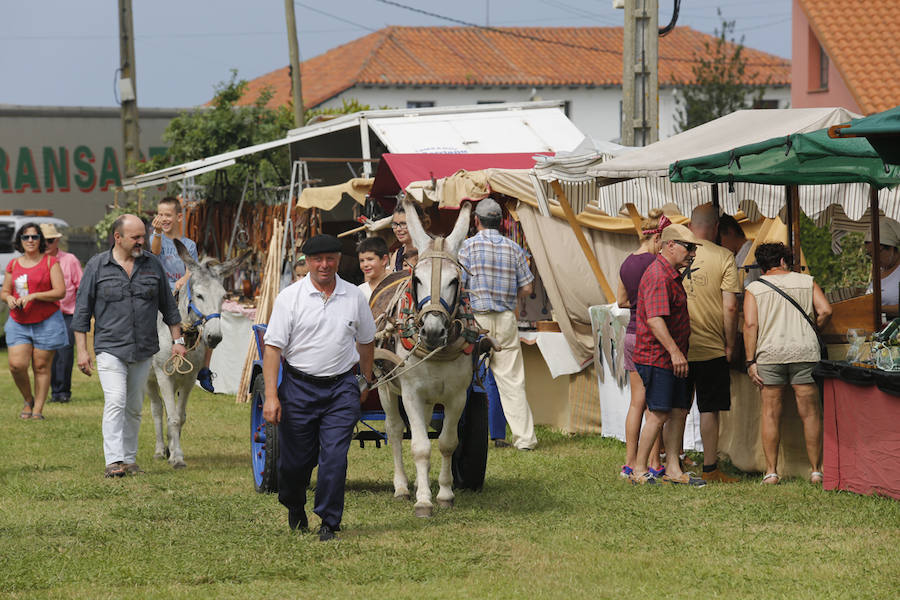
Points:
(463, 331)
(191, 332)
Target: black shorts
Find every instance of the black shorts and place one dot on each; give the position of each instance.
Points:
(711, 380)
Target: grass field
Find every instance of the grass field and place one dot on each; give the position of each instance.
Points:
(554, 523)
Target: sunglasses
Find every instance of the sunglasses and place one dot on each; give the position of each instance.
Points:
(689, 246)
(398, 226)
(30, 237)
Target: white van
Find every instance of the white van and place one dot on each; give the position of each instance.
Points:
(9, 225)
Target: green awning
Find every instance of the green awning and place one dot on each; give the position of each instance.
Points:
(802, 159)
(882, 130)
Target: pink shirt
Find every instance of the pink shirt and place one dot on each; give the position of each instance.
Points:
(71, 270)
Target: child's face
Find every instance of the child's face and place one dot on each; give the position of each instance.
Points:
(372, 265)
(168, 217)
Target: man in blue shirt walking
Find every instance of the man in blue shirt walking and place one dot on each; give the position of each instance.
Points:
(168, 214)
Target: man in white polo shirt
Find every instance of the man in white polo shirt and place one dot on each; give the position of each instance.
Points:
(322, 326)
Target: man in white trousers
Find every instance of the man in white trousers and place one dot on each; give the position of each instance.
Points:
(123, 289)
(498, 275)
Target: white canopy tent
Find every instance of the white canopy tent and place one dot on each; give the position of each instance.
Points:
(641, 177)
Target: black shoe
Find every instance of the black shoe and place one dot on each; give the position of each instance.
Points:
(297, 521)
(325, 533)
(205, 377)
(54, 398)
(501, 443)
(64, 398)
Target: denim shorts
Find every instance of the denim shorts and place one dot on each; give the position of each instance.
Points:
(663, 390)
(49, 334)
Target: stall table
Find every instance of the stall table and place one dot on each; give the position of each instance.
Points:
(862, 429)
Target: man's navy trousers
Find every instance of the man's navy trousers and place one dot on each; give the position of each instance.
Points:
(317, 423)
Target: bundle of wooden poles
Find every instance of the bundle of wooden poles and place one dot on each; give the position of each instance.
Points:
(269, 286)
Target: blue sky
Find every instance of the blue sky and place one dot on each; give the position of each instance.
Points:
(55, 52)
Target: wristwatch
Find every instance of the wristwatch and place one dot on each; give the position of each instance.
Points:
(364, 384)
(178, 341)
(748, 363)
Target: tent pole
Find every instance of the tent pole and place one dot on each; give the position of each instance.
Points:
(793, 224)
(715, 197)
(876, 257)
(582, 241)
(635, 217)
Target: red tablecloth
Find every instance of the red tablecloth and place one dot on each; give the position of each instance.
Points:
(862, 439)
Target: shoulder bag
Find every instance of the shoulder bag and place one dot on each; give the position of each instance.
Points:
(823, 350)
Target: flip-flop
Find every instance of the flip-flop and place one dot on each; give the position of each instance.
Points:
(37, 417)
(768, 476)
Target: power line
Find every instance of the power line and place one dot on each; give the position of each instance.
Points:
(328, 14)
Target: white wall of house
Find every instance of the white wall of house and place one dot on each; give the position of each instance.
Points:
(595, 111)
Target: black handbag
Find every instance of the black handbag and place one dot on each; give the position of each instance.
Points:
(823, 350)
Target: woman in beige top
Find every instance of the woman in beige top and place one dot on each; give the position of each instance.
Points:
(782, 350)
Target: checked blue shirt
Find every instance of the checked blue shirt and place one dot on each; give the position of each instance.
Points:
(498, 269)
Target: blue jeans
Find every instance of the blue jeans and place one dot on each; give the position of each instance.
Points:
(61, 371)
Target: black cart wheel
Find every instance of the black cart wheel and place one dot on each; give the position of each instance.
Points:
(263, 442)
(470, 457)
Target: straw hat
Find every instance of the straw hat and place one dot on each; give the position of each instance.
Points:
(49, 231)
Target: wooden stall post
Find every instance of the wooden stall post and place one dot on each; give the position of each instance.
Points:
(582, 241)
(876, 257)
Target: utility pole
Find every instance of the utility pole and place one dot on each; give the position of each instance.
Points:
(294, 48)
(128, 90)
(640, 73)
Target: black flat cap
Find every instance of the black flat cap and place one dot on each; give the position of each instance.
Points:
(320, 244)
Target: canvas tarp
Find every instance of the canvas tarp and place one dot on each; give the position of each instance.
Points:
(882, 130)
(327, 197)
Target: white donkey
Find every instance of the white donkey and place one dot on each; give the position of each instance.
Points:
(445, 373)
(200, 305)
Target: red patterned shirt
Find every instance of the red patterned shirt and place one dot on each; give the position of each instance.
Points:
(661, 294)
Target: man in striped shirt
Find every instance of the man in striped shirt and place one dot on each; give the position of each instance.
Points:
(497, 276)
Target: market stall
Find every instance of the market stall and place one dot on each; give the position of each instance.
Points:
(851, 396)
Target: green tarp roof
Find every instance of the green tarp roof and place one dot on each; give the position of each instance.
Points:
(802, 159)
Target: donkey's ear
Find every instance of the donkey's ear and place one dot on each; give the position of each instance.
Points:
(420, 239)
(227, 268)
(189, 261)
(461, 228)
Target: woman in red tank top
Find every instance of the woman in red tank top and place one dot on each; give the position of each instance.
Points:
(32, 288)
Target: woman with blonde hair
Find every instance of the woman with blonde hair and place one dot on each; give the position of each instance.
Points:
(630, 274)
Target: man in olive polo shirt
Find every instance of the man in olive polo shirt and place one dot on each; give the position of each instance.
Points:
(712, 290)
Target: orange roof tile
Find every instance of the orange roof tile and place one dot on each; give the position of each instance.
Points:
(863, 44)
(472, 56)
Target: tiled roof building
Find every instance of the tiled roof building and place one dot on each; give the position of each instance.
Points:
(466, 65)
(860, 41)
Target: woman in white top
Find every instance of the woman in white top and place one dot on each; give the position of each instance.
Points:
(782, 349)
(889, 239)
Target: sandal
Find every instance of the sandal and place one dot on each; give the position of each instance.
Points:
(27, 407)
(115, 469)
(769, 476)
(816, 477)
(37, 417)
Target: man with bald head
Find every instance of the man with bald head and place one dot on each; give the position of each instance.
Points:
(712, 286)
(123, 289)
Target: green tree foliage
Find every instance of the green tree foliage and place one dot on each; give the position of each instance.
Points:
(851, 268)
(721, 83)
(224, 126)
